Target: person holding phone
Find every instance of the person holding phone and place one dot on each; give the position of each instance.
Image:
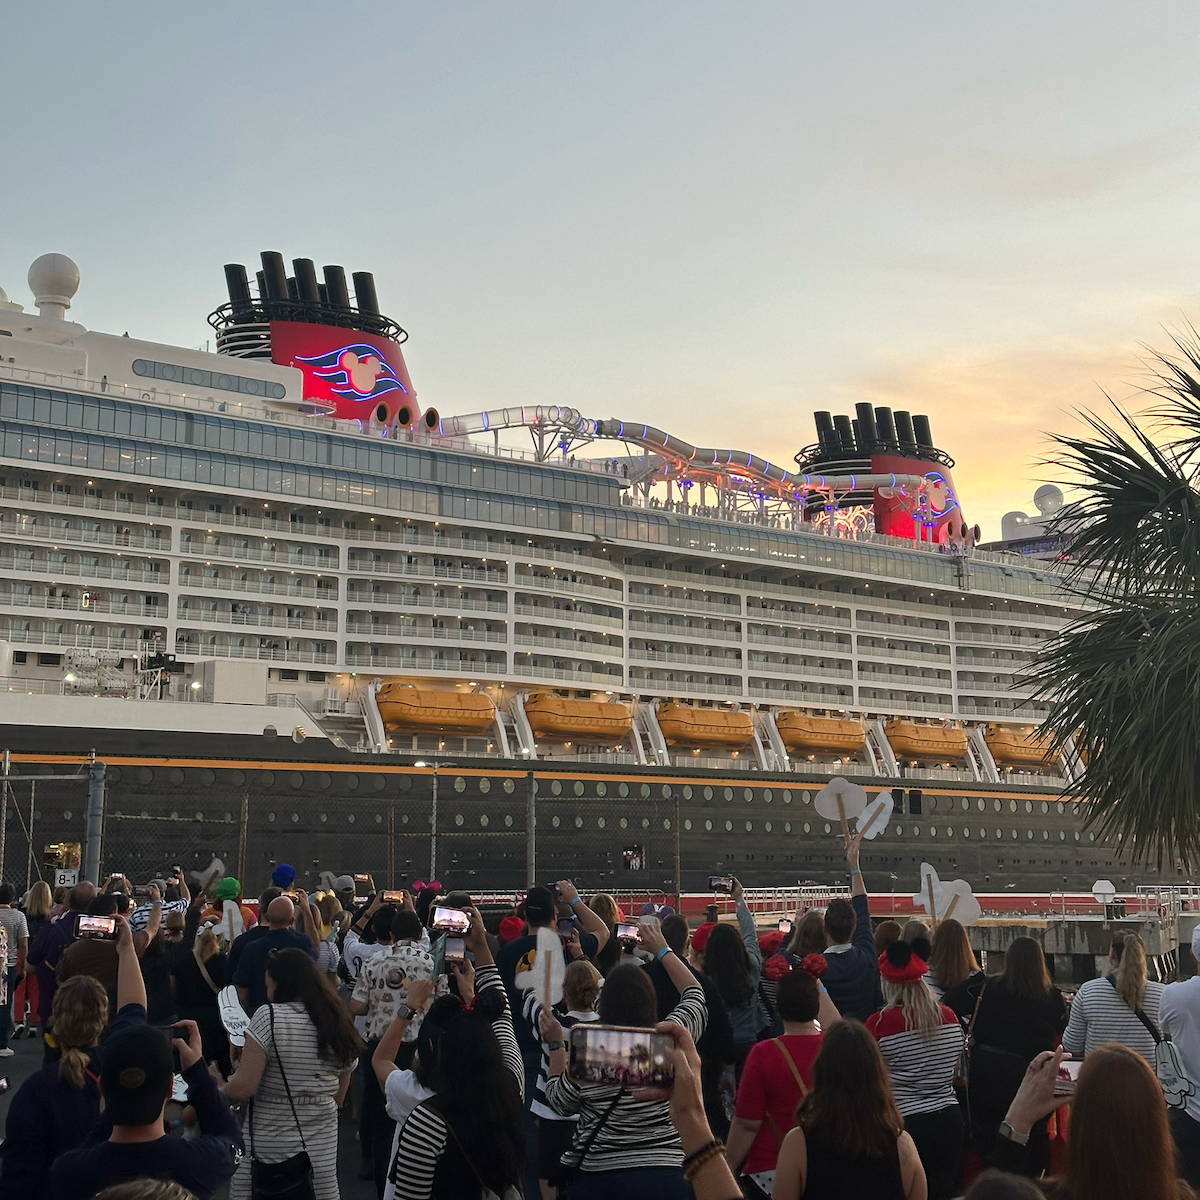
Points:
(159, 890)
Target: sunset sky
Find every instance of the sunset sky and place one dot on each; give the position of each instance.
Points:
(715, 218)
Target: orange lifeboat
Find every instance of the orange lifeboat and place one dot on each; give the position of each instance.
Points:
(835, 735)
(1017, 745)
(405, 708)
(556, 716)
(910, 740)
(683, 725)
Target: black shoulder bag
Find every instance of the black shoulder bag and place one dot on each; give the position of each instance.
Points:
(291, 1179)
(569, 1173)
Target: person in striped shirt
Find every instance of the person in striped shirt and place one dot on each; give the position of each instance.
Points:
(626, 1146)
(922, 1042)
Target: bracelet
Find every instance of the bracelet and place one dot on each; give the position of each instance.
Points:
(663, 952)
(856, 871)
(552, 1046)
(693, 1163)
(577, 900)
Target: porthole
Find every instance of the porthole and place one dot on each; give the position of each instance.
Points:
(1074, 810)
(1016, 834)
(1029, 834)
(379, 782)
(624, 823)
(645, 789)
(207, 777)
(1062, 809)
(600, 822)
(899, 830)
(324, 818)
(728, 826)
(999, 833)
(950, 832)
(1045, 807)
(1045, 835)
(271, 817)
(749, 826)
(578, 822)
(645, 822)
(932, 831)
(996, 806)
(787, 795)
(324, 779)
(458, 818)
(579, 787)
(66, 814)
(508, 820)
(460, 784)
(176, 776)
(622, 789)
(404, 818)
(268, 778)
(1029, 806)
(554, 821)
(729, 793)
(601, 788)
(748, 794)
(350, 818)
(350, 780)
(981, 804)
(687, 825)
(687, 791)
(708, 793)
(966, 803)
(983, 833)
(766, 795)
(805, 796)
(483, 819)
(666, 791)
(666, 822)
(1077, 835)
(297, 779)
(1091, 836)
(236, 778)
(828, 827)
(1062, 835)
(485, 784)
(510, 786)
(556, 787)
(295, 817)
(1012, 806)
(916, 831)
(708, 826)
(767, 826)
(787, 827)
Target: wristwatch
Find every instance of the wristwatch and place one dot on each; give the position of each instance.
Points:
(405, 1012)
(1007, 1131)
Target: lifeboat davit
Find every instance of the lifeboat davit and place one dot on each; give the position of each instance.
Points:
(910, 740)
(832, 734)
(406, 708)
(1015, 745)
(557, 716)
(683, 725)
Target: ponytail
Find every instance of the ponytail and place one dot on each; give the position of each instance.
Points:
(1131, 971)
(78, 1017)
(73, 1065)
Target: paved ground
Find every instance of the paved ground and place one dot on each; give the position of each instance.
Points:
(28, 1058)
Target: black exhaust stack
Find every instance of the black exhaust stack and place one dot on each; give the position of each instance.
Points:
(904, 431)
(335, 288)
(886, 428)
(307, 289)
(868, 439)
(239, 290)
(274, 275)
(924, 434)
(364, 292)
(845, 432)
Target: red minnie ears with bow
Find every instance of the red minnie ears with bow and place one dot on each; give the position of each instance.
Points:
(419, 885)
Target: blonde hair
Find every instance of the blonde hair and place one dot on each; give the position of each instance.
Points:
(914, 929)
(39, 900)
(1131, 971)
(207, 944)
(581, 985)
(146, 1189)
(808, 934)
(605, 907)
(922, 1012)
(78, 1017)
(330, 908)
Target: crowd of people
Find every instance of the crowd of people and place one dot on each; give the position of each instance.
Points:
(193, 1039)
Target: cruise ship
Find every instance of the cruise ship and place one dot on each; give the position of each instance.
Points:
(301, 614)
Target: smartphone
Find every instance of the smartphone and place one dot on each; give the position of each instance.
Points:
(393, 897)
(566, 926)
(1068, 1075)
(628, 933)
(720, 883)
(365, 880)
(456, 950)
(615, 1054)
(174, 1031)
(3, 1084)
(785, 926)
(103, 928)
(141, 892)
(451, 920)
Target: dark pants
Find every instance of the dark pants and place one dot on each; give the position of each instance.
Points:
(375, 1127)
(6, 1010)
(532, 1127)
(1186, 1132)
(940, 1140)
(639, 1183)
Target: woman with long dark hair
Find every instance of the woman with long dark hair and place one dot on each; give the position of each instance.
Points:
(1118, 1142)
(469, 1137)
(951, 959)
(733, 963)
(1010, 1017)
(850, 1139)
(300, 1050)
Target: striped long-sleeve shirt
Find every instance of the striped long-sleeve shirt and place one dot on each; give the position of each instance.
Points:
(638, 1133)
(424, 1135)
(922, 1065)
(1099, 1015)
(532, 1012)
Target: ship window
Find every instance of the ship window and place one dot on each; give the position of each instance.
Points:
(983, 833)
(1062, 835)
(483, 819)
(645, 791)
(787, 827)
(916, 831)
(1012, 806)
(1091, 837)
(579, 787)
(996, 806)
(1045, 807)
(981, 804)
(708, 826)
(510, 786)
(787, 796)
(666, 822)
(1029, 806)
(666, 791)
(1077, 835)
(950, 832)
(1029, 834)
(485, 784)
(350, 818)
(1045, 835)
(766, 795)
(828, 827)
(508, 819)
(999, 833)
(1016, 834)
(600, 822)
(1062, 809)
(271, 817)
(728, 826)
(899, 830)
(622, 789)
(624, 823)
(602, 789)
(767, 826)
(324, 818)
(687, 824)
(460, 784)
(295, 817)
(966, 803)
(748, 795)
(932, 831)
(556, 787)
(645, 822)
(729, 793)
(578, 822)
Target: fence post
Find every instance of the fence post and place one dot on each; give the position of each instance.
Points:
(95, 821)
(4, 807)
(530, 833)
(243, 826)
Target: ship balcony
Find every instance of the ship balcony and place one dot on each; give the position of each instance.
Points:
(1004, 660)
(83, 641)
(255, 587)
(569, 587)
(28, 567)
(684, 683)
(454, 601)
(602, 677)
(810, 669)
(790, 614)
(894, 652)
(84, 603)
(913, 632)
(879, 675)
(158, 540)
(1000, 684)
(705, 662)
(202, 617)
(1003, 709)
(301, 652)
(797, 692)
(651, 599)
(890, 700)
(1030, 643)
(495, 576)
(664, 630)
(571, 645)
(800, 644)
(809, 620)
(325, 560)
(700, 580)
(363, 659)
(991, 620)
(411, 631)
(544, 612)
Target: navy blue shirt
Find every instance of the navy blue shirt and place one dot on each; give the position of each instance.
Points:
(251, 970)
(853, 974)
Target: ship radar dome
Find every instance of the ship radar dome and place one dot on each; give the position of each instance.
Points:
(1048, 499)
(53, 279)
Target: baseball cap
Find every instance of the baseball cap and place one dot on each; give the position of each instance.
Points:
(539, 904)
(136, 1075)
(161, 884)
(344, 883)
(228, 888)
(284, 875)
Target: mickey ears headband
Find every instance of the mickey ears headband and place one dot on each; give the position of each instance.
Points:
(419, 885)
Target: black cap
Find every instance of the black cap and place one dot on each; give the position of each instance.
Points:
(539, 905)
(136, 1077)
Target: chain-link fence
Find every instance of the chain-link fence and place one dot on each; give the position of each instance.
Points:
(42, 822)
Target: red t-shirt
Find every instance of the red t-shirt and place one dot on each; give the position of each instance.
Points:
(769, 1087)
